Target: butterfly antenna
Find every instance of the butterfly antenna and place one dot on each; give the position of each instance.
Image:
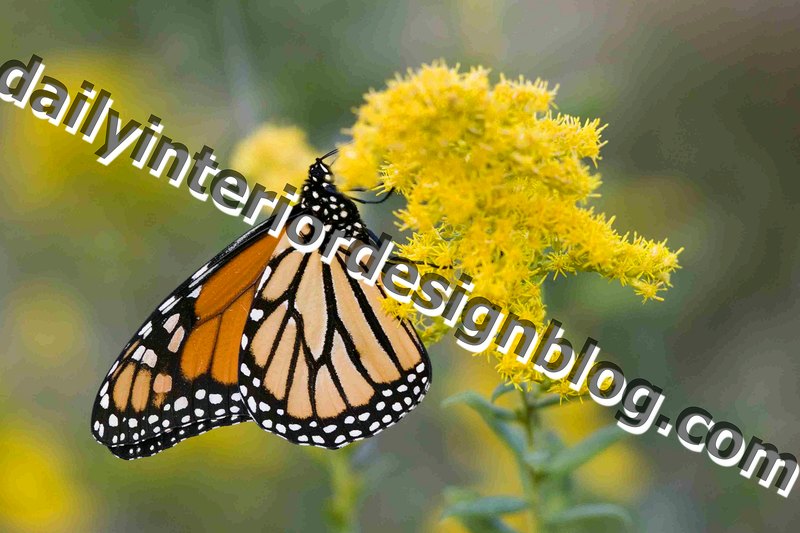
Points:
(380, 201)
(326, 156)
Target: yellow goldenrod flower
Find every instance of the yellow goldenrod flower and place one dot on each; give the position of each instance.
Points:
(40, 491)
(497, 186)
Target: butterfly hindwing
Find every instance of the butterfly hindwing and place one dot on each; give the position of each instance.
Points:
(178, 375)
(322, 363)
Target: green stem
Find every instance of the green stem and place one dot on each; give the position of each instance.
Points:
(346, 487)
(530, 480)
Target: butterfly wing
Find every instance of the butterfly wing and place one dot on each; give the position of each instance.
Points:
(177, 377)
(322, 363)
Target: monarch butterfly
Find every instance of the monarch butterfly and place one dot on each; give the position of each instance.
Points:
(266, 333)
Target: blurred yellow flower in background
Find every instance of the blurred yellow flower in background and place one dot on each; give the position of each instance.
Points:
(44, 157)
(45, 321)
(275, 155)
(48, 333)
(38, 492)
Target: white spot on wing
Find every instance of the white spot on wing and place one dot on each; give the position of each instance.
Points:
(167, 304)
(171, 322)
(137, 355)
(149, 358)
(264, 277)
(200, 272)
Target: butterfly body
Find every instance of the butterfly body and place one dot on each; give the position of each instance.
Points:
(267, 333)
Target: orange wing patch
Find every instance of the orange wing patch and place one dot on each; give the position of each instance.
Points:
(221, 309)
(227, 283)
(199, 349)
(122, 387)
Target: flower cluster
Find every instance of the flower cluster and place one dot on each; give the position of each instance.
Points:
(497, 186)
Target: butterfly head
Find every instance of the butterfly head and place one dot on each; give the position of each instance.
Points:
(322, 199)
(320, 173)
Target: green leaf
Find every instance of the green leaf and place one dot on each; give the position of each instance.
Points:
(547, 401)
(568, 460)
(503, 388)
(479, 403)
(456, 496)
(592, 512)
(378, 471)
(485, 525)
(486, 506)
(538, 459)
(494, 417)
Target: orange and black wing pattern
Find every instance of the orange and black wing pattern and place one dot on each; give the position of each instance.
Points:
(268, 333)
(322, 362)
(177, 377)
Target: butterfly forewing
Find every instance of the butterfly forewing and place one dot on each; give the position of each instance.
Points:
(178, 376)
(322, 363)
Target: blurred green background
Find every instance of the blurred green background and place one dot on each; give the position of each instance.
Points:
(702, 102)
